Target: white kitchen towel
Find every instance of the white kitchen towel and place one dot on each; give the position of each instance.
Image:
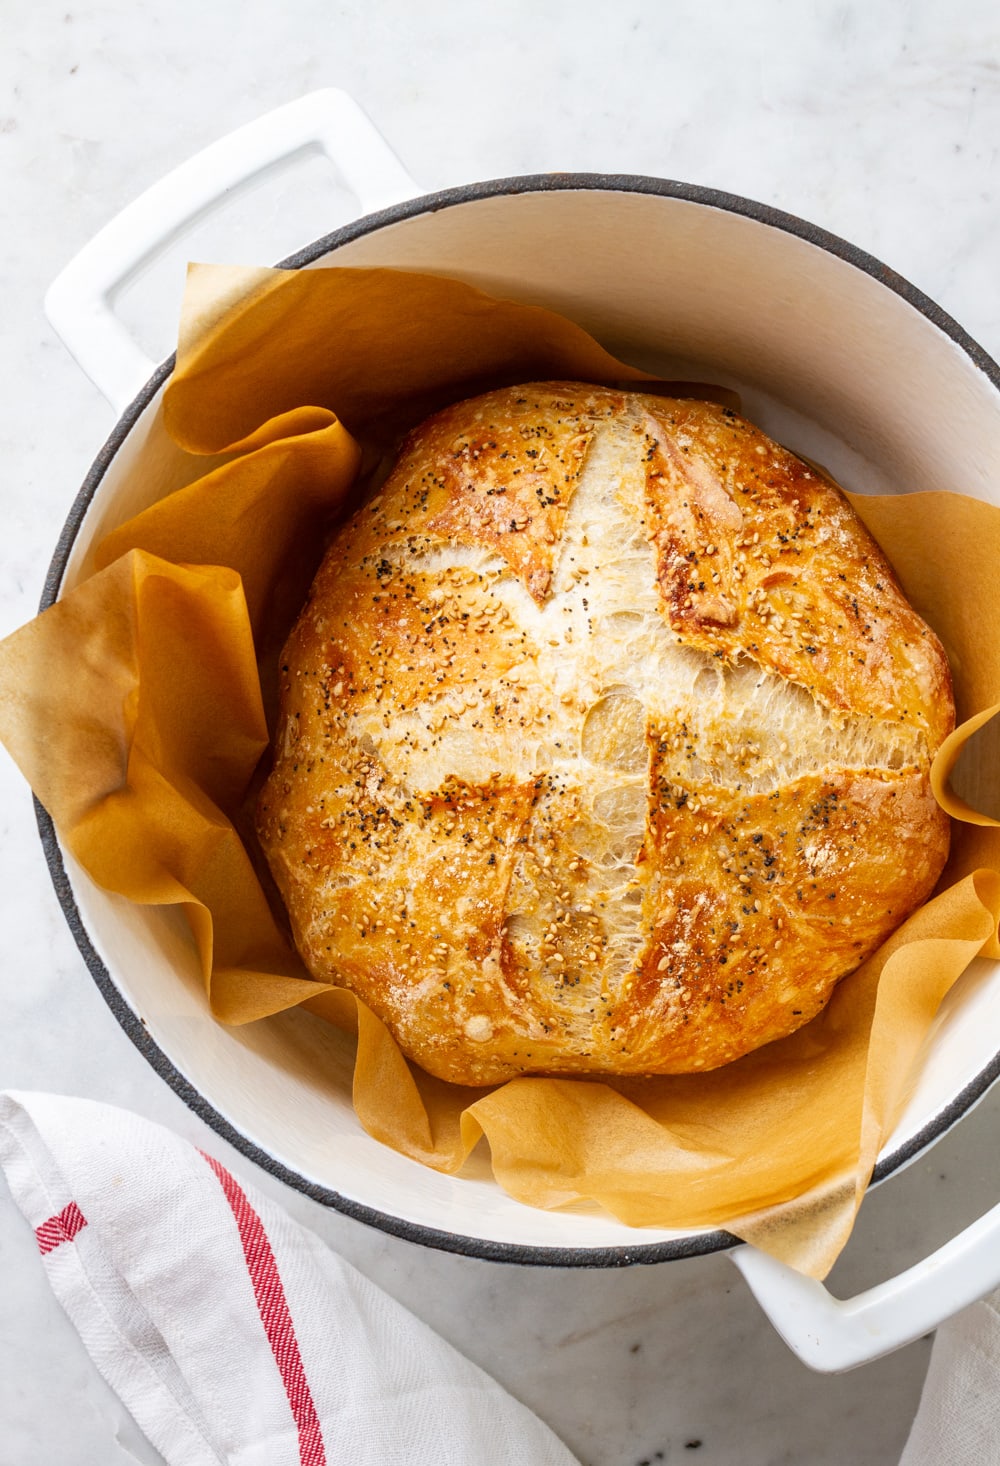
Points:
(231, 1333)
(958, 1421)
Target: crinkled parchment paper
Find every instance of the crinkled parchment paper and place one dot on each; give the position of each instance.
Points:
(137, 708)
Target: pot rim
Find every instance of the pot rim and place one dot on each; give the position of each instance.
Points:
(695, 1244)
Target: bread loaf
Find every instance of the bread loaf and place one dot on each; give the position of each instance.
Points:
(604, 741)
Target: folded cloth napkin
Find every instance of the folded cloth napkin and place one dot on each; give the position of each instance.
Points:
(958, 1421)
(230, 1332)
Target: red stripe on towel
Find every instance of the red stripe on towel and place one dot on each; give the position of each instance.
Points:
(272, 1306)
(61, 1228)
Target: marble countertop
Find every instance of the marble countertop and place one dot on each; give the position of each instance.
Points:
(879, 122)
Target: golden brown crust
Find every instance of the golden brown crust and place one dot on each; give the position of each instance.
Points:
(604, 741)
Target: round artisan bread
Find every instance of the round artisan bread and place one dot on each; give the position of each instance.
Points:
(604, 741)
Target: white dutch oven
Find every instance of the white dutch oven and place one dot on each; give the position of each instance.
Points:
(832, 354)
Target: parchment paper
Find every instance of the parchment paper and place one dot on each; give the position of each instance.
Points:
(138, 706)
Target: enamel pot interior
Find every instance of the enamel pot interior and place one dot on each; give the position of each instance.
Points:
(833, 356)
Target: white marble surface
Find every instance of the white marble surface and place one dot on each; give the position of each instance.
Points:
(878, 121)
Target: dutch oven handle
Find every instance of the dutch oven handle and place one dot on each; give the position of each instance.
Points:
(79, 303)
(832, 1335)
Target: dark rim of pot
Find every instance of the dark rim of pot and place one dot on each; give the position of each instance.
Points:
(684, 1246)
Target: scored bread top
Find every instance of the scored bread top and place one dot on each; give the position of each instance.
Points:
(604, 741)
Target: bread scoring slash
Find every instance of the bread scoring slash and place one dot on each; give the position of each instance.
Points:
(604, 741)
